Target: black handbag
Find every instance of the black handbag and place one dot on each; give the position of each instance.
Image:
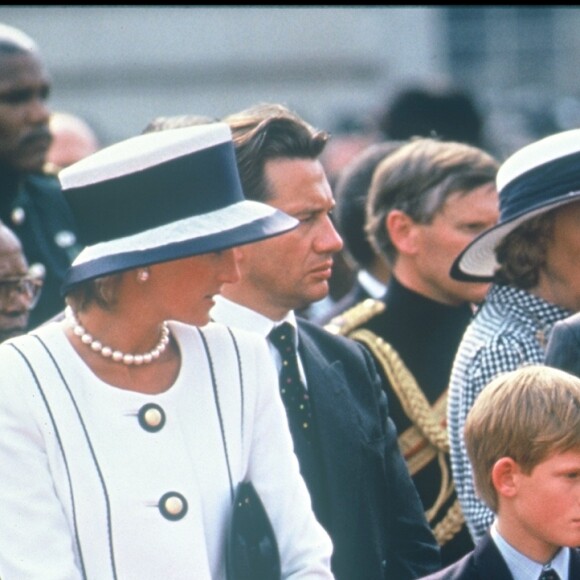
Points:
(252, 550)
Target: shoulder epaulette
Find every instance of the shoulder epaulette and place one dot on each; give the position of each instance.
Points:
(352, 318)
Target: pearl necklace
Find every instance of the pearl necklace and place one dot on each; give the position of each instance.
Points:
(117, 355)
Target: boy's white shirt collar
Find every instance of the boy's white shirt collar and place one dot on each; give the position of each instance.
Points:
(522, 567)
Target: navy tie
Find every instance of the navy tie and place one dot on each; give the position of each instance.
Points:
(549, 574)
(292, 388)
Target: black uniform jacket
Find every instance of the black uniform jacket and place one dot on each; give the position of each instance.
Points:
(425, 334)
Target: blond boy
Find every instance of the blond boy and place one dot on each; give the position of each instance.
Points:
(522, 437)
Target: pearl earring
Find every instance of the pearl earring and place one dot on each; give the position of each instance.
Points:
(142, 275)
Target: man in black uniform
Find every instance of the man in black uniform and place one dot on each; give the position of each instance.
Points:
(31, 203)
(427, 201)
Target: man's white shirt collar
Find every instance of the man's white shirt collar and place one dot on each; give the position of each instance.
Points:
(232, 314)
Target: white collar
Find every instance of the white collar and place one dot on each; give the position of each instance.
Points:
(522, 567)
(233, 314)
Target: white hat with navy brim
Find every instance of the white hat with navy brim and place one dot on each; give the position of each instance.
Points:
(536, 179)
(162, 196)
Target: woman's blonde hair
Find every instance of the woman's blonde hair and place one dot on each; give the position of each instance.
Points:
(526, 414)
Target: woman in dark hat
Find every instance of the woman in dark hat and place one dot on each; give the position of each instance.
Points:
(126, 427)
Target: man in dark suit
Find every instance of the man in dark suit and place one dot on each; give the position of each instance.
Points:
(31, 201)
(346, 445)
(522, 436)
(563, 350)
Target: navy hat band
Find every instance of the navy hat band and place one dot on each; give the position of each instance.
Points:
(162, 196)
(540, 185)
(128, 204)
(259, 229)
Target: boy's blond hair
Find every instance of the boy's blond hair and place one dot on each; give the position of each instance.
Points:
(526, 414)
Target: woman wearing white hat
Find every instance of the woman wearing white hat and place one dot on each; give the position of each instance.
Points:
(531, 256)
(125, 428)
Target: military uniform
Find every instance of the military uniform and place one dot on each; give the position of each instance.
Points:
(35, 209)
(414, 340)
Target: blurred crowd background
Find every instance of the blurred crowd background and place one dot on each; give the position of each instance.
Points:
(341, 68)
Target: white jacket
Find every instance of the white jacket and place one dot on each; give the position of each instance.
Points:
(84, 482)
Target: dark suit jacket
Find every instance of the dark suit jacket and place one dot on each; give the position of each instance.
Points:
(485, 562)
(425, 334)
(376, 520)
(563, 351)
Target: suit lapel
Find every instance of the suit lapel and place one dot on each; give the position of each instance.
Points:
(574, 563)
(336, 424)
(489, 562)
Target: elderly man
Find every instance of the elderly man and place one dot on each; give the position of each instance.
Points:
(19, 290)
(31, 202)
(532, 257)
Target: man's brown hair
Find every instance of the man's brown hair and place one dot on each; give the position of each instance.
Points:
(270, 131)
(417, 179)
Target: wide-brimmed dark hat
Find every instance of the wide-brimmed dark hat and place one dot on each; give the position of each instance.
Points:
(536, 179)
(159, 197)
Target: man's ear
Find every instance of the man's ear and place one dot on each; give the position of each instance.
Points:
(504, 476)
(403, 231)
